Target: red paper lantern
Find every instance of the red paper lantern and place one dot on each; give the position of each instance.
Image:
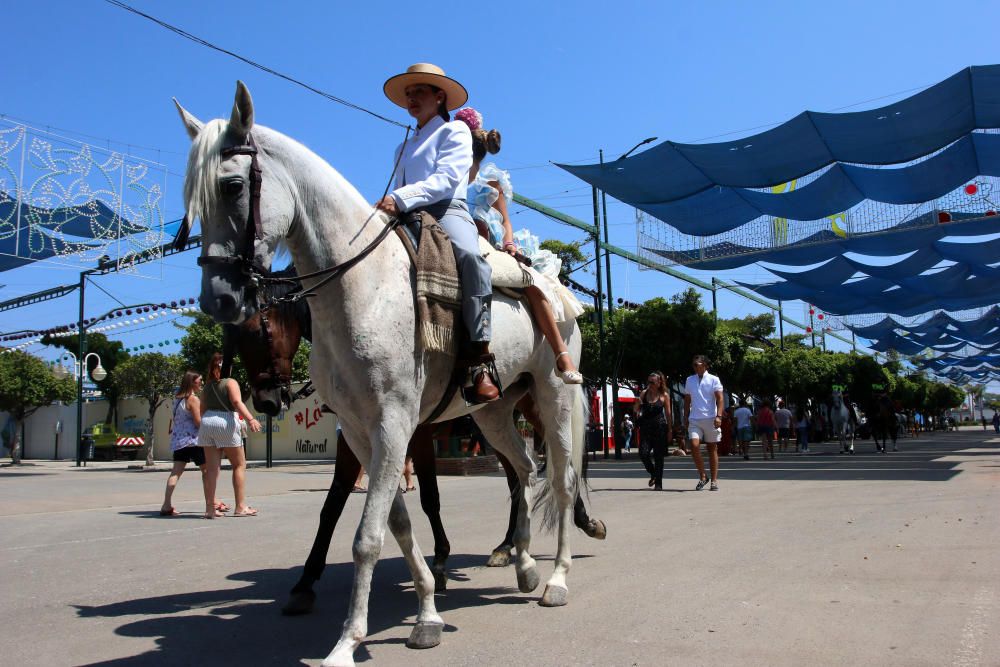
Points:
(821, 316)
(809, 329)
(812, 312)
(971, 189)
(990, 213)
(944, 216)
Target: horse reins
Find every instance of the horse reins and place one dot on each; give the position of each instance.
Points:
(254, 231)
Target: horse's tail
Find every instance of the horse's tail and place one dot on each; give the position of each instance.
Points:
(545, 498)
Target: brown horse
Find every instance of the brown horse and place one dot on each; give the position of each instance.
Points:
(266, 346)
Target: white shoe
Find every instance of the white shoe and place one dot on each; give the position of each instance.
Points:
(568, 377)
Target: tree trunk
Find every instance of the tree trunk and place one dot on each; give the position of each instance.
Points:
(150, 434)
(15, 443)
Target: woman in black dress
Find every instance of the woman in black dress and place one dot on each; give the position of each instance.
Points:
(654, 416)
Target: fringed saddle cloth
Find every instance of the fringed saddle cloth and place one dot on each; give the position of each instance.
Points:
(439, 292)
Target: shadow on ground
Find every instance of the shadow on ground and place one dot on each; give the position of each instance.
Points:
(916, 460)
(245, 626)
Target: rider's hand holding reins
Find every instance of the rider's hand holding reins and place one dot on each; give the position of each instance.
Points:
(388, 204)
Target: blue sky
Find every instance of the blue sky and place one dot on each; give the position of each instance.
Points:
(560, 81)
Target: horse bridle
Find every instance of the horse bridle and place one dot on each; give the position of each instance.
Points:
(257, 276)
(254, 229)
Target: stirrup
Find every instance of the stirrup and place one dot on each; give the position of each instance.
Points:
(568, 377)
(485, 363)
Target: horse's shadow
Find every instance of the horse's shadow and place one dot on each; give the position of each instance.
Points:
(244, 625)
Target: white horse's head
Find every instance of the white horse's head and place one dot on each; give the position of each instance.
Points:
(217, 190)
(838, 399)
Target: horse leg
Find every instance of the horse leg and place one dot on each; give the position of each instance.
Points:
(302, 597)
(427, 631)
(425, 467)
(565, 423)
(502, 552)
(594, 528)
(495, 421)
(391, 432)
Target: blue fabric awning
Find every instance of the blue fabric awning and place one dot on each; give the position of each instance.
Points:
(701, 188)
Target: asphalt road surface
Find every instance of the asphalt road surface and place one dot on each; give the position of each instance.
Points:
(805, 560)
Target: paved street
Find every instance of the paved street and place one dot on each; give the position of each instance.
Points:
(806, 560)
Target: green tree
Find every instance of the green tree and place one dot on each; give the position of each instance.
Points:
(941, 397)
(755, 328)
(111, 352)
(26, 384)
(570, 254)
(154, 377)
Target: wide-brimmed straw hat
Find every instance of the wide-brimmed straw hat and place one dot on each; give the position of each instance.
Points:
(395, 87)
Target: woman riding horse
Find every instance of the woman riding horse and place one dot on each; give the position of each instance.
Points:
(431, 176)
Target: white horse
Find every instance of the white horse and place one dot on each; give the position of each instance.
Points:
(367, 361)
(840, 420)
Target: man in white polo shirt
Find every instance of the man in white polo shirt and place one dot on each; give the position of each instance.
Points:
(703, 417)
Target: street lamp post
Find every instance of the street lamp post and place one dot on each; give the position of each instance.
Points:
(80, 370)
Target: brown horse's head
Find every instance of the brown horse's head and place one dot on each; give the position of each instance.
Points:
(267, 354)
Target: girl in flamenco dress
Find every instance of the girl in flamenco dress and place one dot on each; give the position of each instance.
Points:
(489, 196)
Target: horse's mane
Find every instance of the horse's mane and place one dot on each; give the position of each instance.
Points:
(200, 187)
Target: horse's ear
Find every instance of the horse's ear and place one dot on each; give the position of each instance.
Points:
(241, 121)
(191, 124)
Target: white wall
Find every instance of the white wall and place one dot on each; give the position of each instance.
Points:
(303, 432)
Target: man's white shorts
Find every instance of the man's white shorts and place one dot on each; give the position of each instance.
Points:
(704, 430)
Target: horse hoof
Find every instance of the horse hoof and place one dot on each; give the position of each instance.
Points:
(596, 529)
(499, 558)
(440, 581)
(554, 596)
(528, 580)
(300, 602)
(425, 635)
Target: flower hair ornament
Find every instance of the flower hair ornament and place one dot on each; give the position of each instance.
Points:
(470, 117)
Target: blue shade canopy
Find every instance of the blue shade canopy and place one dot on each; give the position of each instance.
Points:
(897, 133)
(843, 186)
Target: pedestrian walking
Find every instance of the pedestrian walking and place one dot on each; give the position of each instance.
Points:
(744, 431)
(654, 427)
(219, 435)
(628, 427)
(184, 423)
(996, 421)
(802, 429)
(766, 429)
(783, 418)
(703, 418)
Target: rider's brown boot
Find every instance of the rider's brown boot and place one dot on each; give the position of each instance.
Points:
(483, 389)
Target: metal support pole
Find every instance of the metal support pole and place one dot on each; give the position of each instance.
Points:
(611, 309)
(715, 302)
(854, 343)
(781, 326)
(269, 439)
(599, 304)
(812, 328)
(81, 368)
(822, 338)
